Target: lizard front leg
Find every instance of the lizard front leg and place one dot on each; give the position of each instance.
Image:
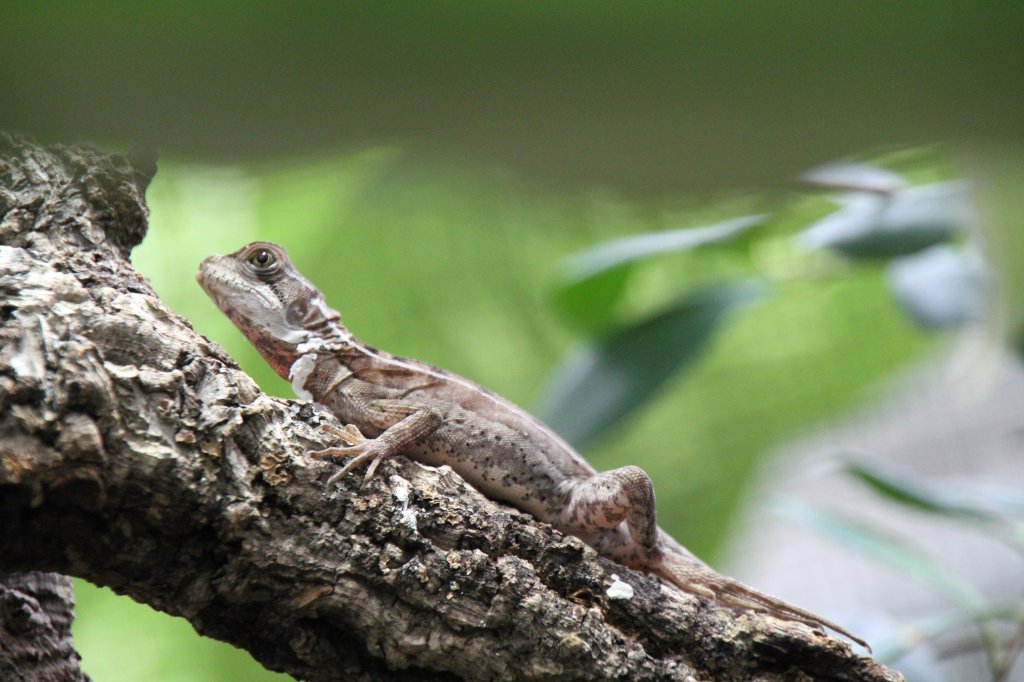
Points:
(411, 422)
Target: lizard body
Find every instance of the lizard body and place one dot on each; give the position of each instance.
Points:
(437, 417)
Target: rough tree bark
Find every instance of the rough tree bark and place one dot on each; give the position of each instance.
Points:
(36, 610)
(136, 455)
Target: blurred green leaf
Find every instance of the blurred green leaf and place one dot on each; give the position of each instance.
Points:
(941, 287)
(854, 176)
(893, 551)
(602, 381)
(988, 503)
(590, 303)
(913, 492)
(595, 278)
(617, 252)
(871, 225)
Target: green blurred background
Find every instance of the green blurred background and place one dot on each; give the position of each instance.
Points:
(429, 165)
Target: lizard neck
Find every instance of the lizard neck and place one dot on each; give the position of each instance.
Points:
(320, 359)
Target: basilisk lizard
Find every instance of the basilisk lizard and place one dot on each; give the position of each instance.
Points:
(393, 405)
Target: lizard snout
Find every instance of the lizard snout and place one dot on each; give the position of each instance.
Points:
(204, 268)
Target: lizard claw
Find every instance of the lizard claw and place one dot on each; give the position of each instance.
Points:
(373, 457)
(360, 448)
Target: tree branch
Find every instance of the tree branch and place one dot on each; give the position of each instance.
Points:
(135, 454)
(36, 610)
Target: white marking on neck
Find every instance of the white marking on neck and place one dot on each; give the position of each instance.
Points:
(310, 345)
(325, 344)
(299, 374)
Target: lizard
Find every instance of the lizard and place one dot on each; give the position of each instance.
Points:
(395, 405)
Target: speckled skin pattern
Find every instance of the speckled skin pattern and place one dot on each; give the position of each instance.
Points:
(436, 417)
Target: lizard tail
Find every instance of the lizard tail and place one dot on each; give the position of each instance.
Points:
(697, 578)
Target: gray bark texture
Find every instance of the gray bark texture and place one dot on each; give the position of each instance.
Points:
(36, 610)
(135, 454)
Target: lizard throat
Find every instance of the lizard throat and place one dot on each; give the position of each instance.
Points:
(280, 359)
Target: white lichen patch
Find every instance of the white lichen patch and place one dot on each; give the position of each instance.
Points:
(401, 490)
(619, 589)
(29, 361)
(299, 374)
(12, 257)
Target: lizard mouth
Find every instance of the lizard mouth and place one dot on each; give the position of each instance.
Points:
(204, 279)
(213, 281)
(204, 267)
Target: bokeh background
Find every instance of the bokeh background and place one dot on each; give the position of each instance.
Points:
(455, 175)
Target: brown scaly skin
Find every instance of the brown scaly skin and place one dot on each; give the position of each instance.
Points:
(437, 417)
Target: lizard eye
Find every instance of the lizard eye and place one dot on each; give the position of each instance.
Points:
(262, 259)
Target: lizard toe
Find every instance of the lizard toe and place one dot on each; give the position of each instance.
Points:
(353, 463)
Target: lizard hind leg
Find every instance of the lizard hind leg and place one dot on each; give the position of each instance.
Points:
(607, 499)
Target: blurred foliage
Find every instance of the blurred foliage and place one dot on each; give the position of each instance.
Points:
(891, 223)
(884, 218)
(604, 381)
(987, 510)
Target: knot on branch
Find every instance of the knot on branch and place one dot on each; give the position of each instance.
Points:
(69, 198)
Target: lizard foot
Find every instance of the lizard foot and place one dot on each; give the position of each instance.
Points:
(360, 448)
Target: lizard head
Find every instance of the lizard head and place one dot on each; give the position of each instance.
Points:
(278, 310)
